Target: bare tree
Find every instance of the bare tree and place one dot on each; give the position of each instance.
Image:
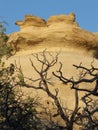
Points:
(85, 117)
(68, 116)
(88, 118)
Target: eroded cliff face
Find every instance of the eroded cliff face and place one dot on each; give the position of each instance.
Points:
(58, 31)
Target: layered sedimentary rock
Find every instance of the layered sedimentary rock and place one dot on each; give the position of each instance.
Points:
(31, 20)
(57, 31)
(61, 32)
(66, 19)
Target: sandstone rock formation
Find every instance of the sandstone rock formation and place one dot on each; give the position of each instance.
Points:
(31, 20)
(67, 19)
(58, 31)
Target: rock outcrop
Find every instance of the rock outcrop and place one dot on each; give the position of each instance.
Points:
(57, 31)
(31, 20)
(66, 19)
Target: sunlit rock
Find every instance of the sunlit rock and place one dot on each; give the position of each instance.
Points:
(59, 31)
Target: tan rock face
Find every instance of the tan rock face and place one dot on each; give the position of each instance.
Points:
(59, 31)
(31, 20)
(67, 19)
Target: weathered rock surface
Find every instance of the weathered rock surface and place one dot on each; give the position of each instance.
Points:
(57, 31)
(67, 19)
(31, 20)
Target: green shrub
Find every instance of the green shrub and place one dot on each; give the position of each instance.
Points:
(16, 113)
(4, 48)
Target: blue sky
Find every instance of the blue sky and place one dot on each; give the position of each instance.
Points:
(86, 11)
